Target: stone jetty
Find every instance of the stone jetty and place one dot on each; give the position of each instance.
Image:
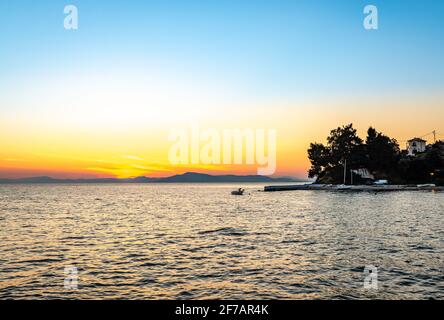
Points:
(357, 188)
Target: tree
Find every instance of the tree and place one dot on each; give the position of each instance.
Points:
(435, 156)
(380, 154)
(342, 142)
(320, 158)
(383, 152)
(414, 171)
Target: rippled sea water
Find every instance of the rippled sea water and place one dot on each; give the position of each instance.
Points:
(188, 241)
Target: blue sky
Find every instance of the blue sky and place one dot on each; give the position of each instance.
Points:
(263, 49)
(135, 69)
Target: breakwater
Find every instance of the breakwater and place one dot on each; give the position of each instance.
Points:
(369, 188)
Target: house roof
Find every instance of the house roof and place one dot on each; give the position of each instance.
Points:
(417, 140)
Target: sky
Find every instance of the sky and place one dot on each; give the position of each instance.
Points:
(100, 101)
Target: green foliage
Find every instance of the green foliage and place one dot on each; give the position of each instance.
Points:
(438, 177)
(319, 156)
(380, 154)
(342, 143)
(383, 152)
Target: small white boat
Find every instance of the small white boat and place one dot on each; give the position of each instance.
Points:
(238, 192)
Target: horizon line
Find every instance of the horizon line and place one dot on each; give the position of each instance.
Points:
(157, 178)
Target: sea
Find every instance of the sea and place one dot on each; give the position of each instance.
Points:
(197, 241)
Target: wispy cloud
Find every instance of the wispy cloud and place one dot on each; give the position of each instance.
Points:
(149, 168)
(15, 160)
(130, 157)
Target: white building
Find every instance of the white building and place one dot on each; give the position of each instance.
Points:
(364, 173)
(416, 145)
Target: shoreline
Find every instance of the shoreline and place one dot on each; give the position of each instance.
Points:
(355, 188)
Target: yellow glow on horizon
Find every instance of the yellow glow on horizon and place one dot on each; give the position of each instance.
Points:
(52, 144)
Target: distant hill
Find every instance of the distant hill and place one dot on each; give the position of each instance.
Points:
(189, 177)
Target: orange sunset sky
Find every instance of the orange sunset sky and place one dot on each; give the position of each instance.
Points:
(100, 101)
(126, 145)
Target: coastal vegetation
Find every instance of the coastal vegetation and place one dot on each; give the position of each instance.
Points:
(345, 155)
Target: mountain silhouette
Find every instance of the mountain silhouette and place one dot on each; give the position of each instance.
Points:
(189, 177)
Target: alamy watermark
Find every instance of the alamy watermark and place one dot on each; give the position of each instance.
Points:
(371, 19)
(224, 147)
(370, 277)
(71, 281)
(71, 21)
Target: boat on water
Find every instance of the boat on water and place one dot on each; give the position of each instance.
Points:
(343, 187)
(238, 192)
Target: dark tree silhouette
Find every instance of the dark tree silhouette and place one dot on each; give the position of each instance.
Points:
(320, 158)
(343, 142)
(383, 152)
(379, 154)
